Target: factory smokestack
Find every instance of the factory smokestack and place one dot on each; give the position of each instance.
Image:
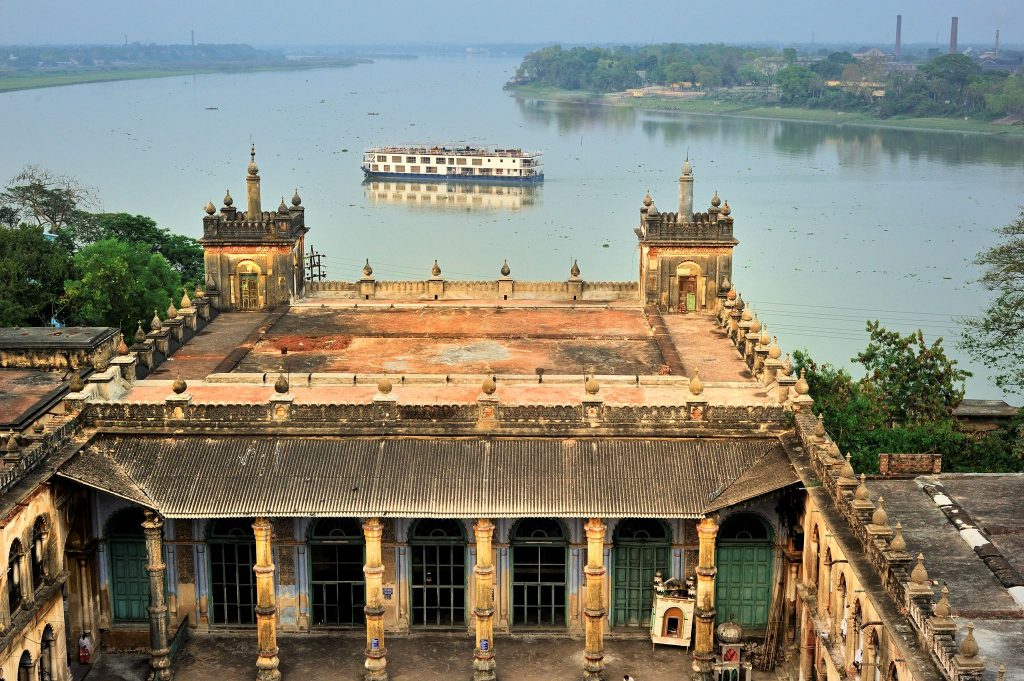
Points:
(899, 33)
(997, 43)
(952, 35)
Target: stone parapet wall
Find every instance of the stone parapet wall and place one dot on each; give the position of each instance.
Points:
(910, 464)
(502, 289)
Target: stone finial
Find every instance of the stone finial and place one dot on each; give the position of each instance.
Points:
(281, 384)
(179, 386)
(731, 295)
(801, 386)
(154, 324)
(253, 168)
(1001, 672)
(774, 351)
(574, 271)
(185, 300)
(819, 427)
(384, 385)
(942, 609)
(38, 426)
(740, 304)
(199, 291)
(140, 335)
(489, 386)
(787, 366)
(282, 207)
(435, 271)
(648, 201)
(919, 575)
(726, 211)
(211, 285)
(880, 517)
(696, 386)
(172, 311)
(228, 201)
(367, 270)
(12, 444)
(765, 339)
(122, 347)
(861, 493)
(591, 385)
(652, 209)
(969, 646)
(747, 315)
(296, 199)
(715, 201)
(210, 208)
(898, 543)
(755, 323)
(76, 384)
(847, 472)
(505, 269)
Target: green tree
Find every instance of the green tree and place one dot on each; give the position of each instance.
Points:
(119, 284)
(184, 253)
(996, 337)
(789, 55)
(48, 200)
(32, 273)
(797, 83)
(1011, 99)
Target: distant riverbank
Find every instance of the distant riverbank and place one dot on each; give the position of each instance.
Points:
(33, 80)
(711, 106)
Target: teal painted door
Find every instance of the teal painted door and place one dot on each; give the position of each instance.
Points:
(633, 569)
(129, 580)
(743, 586)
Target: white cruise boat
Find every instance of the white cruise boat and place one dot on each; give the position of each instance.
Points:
(472, 164)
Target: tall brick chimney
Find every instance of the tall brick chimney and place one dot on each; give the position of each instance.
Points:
(952, 35)
(899, 33)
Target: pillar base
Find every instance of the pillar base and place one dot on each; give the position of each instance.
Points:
(593, 669)
(484, 666)
(376, 667)
(266, 669)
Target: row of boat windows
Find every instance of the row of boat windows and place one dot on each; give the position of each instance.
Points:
(432, 170)
(381, 158)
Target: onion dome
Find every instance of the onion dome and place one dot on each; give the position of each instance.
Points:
(898, 543)
(739, 302)
(281, 384)
(185, 300)
(281, 207)
(880, 516)
(715, 201)
(726, 210)
(861, 493)
(172, 311)
(384, 385)
(210, 208)
(574, 271)
(296, 199)
(367, 270)
(687, 168)
(801, 386)
(765, 339)
(489, 386)
(942, 609)
(228, 201)
(787, 366)
(505, 269)
(648, 201)
(747, 315)
(140, 335)
(729, 632)
(755, 324)
(253, 168)
(696, 386)
(76, 384)
(436, 269)
(179, 386)
(12, 444)
(775, 351)
(592, 386)
(122, 347)
(969, 646)
(731, 295)
(154, 324)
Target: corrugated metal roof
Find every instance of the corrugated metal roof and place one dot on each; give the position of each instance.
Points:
(205, 477)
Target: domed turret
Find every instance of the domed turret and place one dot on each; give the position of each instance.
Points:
(715, 201)
(296, 199)
(505, 269)
(228, 201)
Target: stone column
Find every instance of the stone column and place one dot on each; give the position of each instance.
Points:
(84, 596)
(376, 654)
(483, 662)
(266, 607)
(704, 635)
(594, 610)
(159, 660)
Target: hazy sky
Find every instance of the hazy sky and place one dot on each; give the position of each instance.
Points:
(489, 21)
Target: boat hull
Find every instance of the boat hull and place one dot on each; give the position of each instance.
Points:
(463, 179)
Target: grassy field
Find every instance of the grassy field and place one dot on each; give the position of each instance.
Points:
(708, 106)
(28, 81)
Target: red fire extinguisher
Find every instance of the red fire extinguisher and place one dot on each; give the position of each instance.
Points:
(84, 649)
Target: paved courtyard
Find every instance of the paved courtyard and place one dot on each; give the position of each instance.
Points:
(338, 657)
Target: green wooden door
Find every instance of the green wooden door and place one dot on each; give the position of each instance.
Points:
(129, 580)
(633, 568)
(743, 586)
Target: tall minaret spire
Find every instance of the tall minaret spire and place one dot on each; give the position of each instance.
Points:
(252, 187)
(686, 193)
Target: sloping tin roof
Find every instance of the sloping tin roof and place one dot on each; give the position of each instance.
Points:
(206, 477)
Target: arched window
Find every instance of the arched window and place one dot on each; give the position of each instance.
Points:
(642, 548)
(25, 667)
(438, 579)
(14, 594)
(47, 655)
(38, 554)
(893, 674)
(126, 544)
(232, 553)
(336, 557)
(539, 547)
(744, 527)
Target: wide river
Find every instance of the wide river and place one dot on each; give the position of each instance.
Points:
(837, 224)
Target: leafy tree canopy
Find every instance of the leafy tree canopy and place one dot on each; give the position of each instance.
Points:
(33, 268)
(48, 200)
(183, 253)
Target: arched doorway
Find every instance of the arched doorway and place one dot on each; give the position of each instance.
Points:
(129, 581)
(438, 579)
(642, 547)
(745, 559)
(248, 286)
(336, 558)
(232, 549)
(539, 547)
(691, 286)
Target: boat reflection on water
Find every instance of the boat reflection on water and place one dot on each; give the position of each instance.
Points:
(453, 195)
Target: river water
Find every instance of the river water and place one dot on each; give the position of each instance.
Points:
(837, 224)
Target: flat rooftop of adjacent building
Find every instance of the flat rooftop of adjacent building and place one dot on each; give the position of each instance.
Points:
(47, 337)
(25, 391)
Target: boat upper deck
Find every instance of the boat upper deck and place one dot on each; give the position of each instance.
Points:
(454, 151)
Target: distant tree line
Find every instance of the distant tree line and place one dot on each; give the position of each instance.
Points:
(62, 264)
(33, 57)
(947, 85)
